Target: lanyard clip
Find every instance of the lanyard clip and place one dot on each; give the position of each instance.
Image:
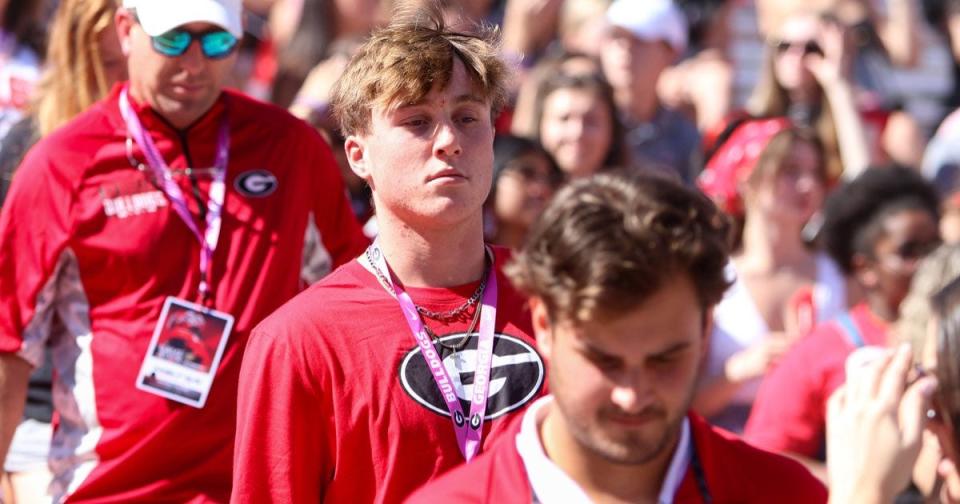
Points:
(206, 297)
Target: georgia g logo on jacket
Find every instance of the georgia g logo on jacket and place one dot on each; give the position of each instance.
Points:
(516, 375)
(256, 183)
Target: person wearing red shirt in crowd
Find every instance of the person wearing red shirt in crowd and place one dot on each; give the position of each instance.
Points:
(410, 360)
(623, 273)
(169, 198)
(876, 228)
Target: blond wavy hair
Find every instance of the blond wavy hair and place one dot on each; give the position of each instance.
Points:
(402, 62)
(74, 77)
(935, 272)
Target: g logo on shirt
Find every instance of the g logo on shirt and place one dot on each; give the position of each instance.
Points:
(256, 183)
(516, 375)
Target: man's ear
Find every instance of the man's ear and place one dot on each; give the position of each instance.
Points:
(542, 328)
(355, 147)
(123, 22)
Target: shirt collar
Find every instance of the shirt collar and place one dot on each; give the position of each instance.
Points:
(207, 124)
(551, 485)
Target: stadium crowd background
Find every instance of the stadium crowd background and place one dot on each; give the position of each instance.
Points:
(777, 109)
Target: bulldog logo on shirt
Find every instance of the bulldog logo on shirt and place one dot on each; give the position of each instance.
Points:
(256, 183)
(516, 375)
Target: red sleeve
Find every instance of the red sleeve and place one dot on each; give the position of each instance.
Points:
(282, 421)
(774, 478)
(738, 472)
(340, 233)
(35, 223)
(787, 415)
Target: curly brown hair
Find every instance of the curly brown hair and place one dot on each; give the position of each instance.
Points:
(401, 63)
(607, 243)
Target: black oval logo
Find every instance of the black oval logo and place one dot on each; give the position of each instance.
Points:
(256, 183)
(516, 375)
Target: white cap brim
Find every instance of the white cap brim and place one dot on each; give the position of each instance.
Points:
(651, 20)
(160, 16)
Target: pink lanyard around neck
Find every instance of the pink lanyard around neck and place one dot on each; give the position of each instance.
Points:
(161, 171)
(469, 431)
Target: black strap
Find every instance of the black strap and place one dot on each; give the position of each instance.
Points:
(699, 476)
(698, 473)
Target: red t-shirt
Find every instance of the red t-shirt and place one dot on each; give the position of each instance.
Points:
(90, 237)
(337, 403)
(790, 412)
(735, 472)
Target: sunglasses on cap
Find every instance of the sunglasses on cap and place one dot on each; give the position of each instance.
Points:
(809, 46)
(216, 44)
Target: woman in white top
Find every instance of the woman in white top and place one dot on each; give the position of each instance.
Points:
(771, 177)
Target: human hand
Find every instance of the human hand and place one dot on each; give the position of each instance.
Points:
(755, 361)
(875, 424)
(528, 25)
(950, 491)
(830, 67)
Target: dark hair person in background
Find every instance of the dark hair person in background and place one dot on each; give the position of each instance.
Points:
(524, 179)
(576, 121)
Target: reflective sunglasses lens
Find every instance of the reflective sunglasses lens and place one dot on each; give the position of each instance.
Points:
(218, 44)
(172, 43)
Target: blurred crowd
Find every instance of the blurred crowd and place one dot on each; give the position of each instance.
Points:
(792, 116)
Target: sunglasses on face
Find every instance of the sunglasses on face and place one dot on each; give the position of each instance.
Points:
(215, 44)
(808, 46)
(914, 249)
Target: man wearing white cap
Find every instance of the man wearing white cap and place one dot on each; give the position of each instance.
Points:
(160, 227)
(643, 39)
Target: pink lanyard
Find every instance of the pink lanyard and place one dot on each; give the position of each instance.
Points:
(161, 171)
(469, 433)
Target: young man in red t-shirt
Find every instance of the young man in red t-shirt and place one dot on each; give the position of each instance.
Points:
(408, 361)
(623, 274)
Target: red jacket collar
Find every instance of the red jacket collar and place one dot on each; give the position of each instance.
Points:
(197, 141)
(155, 123)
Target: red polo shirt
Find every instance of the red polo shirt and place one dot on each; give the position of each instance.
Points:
(735, 472)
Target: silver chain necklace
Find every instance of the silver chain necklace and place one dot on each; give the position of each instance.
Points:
(441, 316)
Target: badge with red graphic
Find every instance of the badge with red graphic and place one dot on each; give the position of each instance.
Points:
(185, 352)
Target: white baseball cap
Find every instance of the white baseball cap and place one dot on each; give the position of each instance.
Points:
(651, 20)
(160, 16)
